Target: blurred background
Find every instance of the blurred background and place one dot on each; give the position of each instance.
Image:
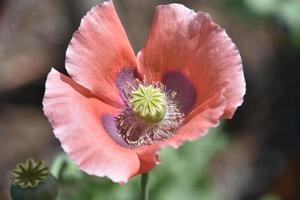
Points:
(254, 156)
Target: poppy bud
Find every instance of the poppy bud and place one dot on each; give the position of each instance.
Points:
(33, 181)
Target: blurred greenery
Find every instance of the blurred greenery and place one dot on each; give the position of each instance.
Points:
(184, 173)
(284, 12)
(270, 197)
(287, 10)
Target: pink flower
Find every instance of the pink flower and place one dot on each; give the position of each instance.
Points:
(116, 111)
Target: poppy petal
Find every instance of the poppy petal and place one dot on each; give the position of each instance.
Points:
(186, 92)
(191, 43)
(75, 115)
(98, 50)
(173, 37)
(208, 116)
(149, 157)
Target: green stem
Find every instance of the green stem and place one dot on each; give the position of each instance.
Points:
(144, 186)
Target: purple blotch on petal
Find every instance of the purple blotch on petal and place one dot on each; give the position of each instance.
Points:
(186, 92)
(125, 77)
(109, 125)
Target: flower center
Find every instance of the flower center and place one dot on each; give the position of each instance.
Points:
(148, 103)
(151, 114)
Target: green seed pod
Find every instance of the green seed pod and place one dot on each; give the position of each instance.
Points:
(33, 181)
(148, 103)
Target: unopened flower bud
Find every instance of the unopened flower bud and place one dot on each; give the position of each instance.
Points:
(33, 181)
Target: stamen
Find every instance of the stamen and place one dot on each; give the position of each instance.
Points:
(151, 114)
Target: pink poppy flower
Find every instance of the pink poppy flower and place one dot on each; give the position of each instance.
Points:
(117, 110)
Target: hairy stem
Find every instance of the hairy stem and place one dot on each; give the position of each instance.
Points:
(144, 186)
